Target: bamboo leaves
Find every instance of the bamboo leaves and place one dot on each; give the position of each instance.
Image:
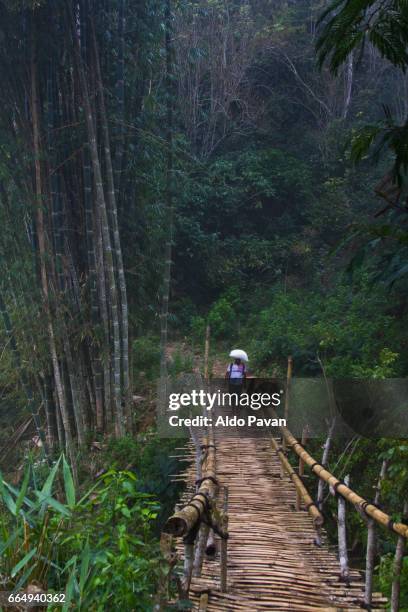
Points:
(69, 484)
(82, 547)
(17, 568)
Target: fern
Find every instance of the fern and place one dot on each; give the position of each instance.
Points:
(346, 24)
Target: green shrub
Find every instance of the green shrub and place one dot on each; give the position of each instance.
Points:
(181, 362)
(197, 328)
(153, 465)
(98, 548)
(146, 357)
(348, 328)
(222, 319)
(385, 578)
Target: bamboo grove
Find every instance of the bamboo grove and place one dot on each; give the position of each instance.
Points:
(63, 183)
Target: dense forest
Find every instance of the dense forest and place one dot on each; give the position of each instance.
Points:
(167, 166)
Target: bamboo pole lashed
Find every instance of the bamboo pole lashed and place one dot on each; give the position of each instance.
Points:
(224, 544)
(314, 512)
(339, 487)
(183, 521)
(301, 469)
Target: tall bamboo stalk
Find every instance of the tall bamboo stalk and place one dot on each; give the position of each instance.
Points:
(124, 325)
(94, 348)
(43, 249)
(106, 239)
(120, 98)
(169, 193)
(50, 411)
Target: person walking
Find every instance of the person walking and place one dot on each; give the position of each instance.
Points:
(236, 372)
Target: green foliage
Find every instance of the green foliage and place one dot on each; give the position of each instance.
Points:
(197, 328)
(232, 215)
(348, 329)
(96, 546)
(352, 22)
(149, 458)
(181, 362)
(222, 318)
(386, 576)
(146, 357)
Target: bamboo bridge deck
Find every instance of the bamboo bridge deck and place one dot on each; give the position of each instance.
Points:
(273, 562)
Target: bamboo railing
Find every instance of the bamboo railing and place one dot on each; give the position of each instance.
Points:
(200, 518)
(311, 507)
(183, 521)
(342, 489)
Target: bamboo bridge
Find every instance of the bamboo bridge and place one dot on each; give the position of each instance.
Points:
(267, 549)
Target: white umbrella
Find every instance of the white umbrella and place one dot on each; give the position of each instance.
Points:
(238, 354)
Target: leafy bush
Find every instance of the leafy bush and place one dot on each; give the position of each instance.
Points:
(197, 328)
(222, 318)
(348, 328)
(98, 549)
(181, 362)
(385, 579)
(146, 356)
(151, 461)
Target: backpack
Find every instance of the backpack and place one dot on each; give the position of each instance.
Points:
(240, 365)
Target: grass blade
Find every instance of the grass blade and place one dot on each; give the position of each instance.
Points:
(47, 488)
(23, 490)
(68, 483)
(6, 497)
(23, 562)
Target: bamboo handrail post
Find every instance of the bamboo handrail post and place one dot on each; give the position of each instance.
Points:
(200, 549)
(372, 541)
(211, 548)
(224, 544)
(312, 509)
(397, 567)
(342, 535)
(207, 354)
(203, 602)
(287, 394)
(183, 521)
(301, 469)
(188, 565)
